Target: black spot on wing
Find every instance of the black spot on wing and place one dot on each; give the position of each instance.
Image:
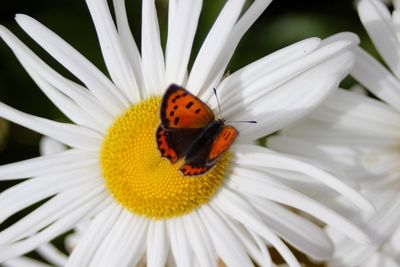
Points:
(176, 98)
(176, 121)
(188, 105)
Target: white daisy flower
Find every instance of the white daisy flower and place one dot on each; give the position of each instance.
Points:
(359, 137)
(139, 204)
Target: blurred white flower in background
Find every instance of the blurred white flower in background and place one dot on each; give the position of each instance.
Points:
(359, 137)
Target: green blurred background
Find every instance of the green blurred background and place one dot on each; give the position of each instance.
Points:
(283, 23)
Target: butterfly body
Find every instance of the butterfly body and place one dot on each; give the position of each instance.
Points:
(188, 130)
(203, 142)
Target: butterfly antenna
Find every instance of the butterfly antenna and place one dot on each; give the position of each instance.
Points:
(241, 121)
(219, 106)
(220, 110)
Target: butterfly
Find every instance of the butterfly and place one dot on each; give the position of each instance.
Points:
(189, 130)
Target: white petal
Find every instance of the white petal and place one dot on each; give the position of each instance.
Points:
(80, 95)
(52, 254)
(344, 106)
(62, 102)
(261, 157)
(296, 230)
(392, 252)
(291, 101)
(354, 125)
(128, 42)
(385, 221)
(335, 135)
(69, 134)
(100, 86)
(40, 188)
(376, 78)
(24, 262)
(349, 253)
(157, 245)
(200, 240)
(396, 20)
(343, 244)
(213, 45)
(341, 157)
(317, 61)
(113, 51)
(95, 234)
(113, 249)
(123, 246)
(363, 155)
(226, 244)
(51, 211)
(249, 74)
(180, 39)
(376, 19)
(241, 211)
(135, 243)
(62, 225)
(259, 184)
(396, 4)
(314, 155)
(152, 54)
(346, 37)
(241, 27)
(255, 246)
(179, 243)
(48, 146)
(46, 165)
(172, 7)
(381, 260)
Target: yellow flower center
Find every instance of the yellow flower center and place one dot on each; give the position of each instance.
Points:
(140, 179)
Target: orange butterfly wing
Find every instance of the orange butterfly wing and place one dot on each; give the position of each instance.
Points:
(222, 142)
(180, 109)
(192, 169)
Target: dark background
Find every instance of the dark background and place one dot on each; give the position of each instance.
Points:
(283, 23)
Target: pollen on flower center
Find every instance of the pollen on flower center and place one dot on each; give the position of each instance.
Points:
(140, 179)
